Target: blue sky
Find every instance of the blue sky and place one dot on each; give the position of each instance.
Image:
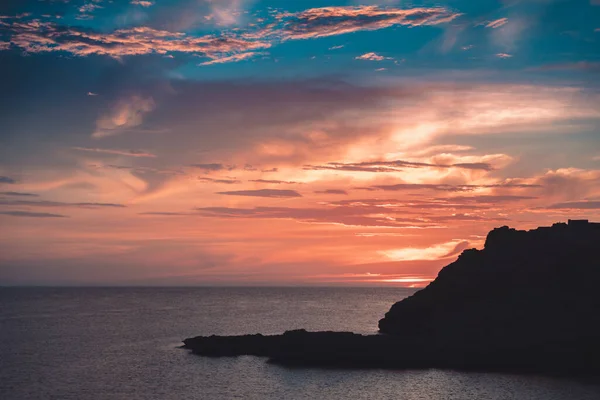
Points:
(296, 142)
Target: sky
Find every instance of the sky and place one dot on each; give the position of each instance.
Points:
(305, 142)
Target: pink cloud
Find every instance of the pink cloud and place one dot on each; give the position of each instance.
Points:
(126, 114)
(372, 57)
(497, 23)
(330, 21)
(143, 3)
(231, 58)
(37, 37)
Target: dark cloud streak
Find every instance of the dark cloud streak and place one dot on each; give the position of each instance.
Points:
(273, 181)
(44, 203)
(31, 214)
(392, 166)
(273, 193)
(224, 181)
(332, 191)
(18, 194)
(576, 205)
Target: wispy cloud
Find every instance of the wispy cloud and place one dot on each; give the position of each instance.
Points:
(349, 214)
(330, 21)
(167, 213)
(6, 179)
(274, 193)
(45, 203)
(332, 191)
(393, 166)
(444, 187)
(576, 205)
(421, 207)
(485, 199)
(273, 181)
(118, 152)
(126, 114)
(28, 214)
(504, 55)
(568, 184)
(18, 194)
(231, 58)
(40, 37)
(497, 23)
(225, 181)
(211, 167)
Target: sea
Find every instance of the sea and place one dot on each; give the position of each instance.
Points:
(124, 343)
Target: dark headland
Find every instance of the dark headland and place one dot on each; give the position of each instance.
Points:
(528, 302)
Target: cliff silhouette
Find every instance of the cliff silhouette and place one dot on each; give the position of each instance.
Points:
(528, 302)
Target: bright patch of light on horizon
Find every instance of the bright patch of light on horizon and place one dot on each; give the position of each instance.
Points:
(413, 254)
(406, 280)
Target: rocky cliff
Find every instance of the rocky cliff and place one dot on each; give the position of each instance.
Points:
(539, 284)
(529, 301)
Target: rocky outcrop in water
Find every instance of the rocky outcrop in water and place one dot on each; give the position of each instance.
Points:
(529, 301)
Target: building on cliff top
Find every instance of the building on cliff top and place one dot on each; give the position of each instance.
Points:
(583, 223)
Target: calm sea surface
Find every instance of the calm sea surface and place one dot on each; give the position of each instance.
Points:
(121, 343)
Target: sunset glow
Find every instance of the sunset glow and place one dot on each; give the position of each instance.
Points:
(288, 143)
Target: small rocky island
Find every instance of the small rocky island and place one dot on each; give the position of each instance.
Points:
(528, 302)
